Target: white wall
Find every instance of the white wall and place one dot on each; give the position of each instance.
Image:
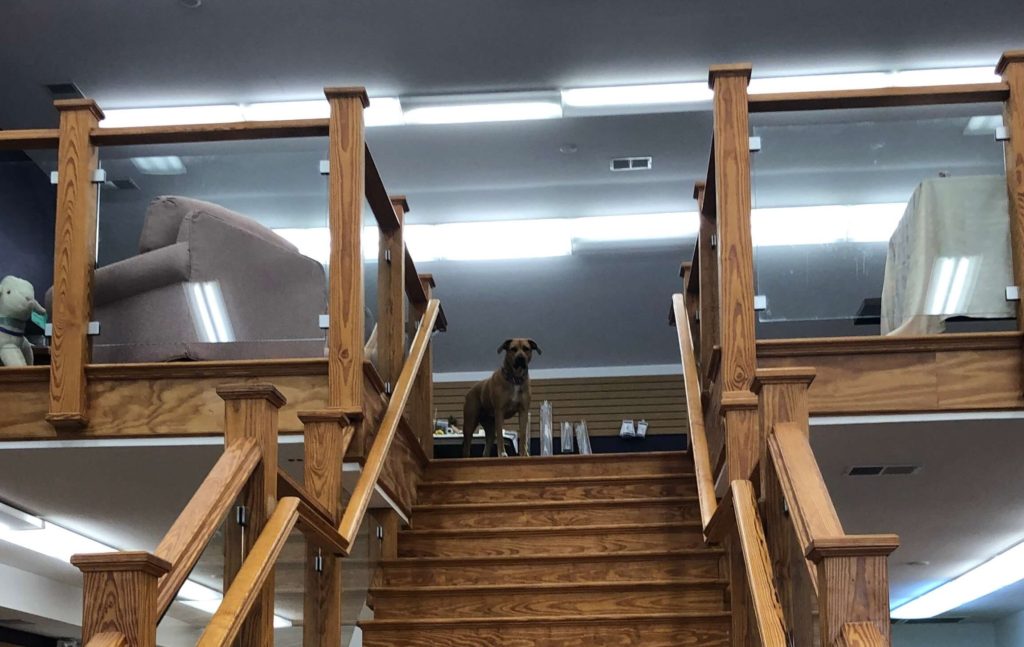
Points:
(968, 634)
(1010, 631)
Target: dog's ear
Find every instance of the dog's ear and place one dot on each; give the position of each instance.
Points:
(535, 347)
(504, 346)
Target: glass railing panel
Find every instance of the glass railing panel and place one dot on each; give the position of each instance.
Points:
(883, 221)
(357, 574)
(212, 251)
(28, 202)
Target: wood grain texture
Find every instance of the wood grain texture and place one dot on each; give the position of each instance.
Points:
(782, 397)
(30, 139)
(603, 402)
(555, 489)
(650, 630)
(1011, 68)
(509, 512)
(853, 589)
(74, 262)
(861, 634)
(287, 486)
(687, 564)
(879, 97)
(695, 412)
(251, 413)
(185, 541)
(391, 298)
(542, 600)
(108, 639)
(739, 412)
(221, 132)
(708, 295)
(383, 208)
(735, 249)
(246, 593)
(569, 466)
(811, 509)
(421, 405)
(770, 624)
(120, 595)
(377, 457)
(345, 336)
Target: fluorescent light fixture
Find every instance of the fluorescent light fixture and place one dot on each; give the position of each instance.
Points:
(1001, 571)
(160, 165)
(477, 241)
(471, 113)
(383, 111)
(637, 95)
(15, 519)
(826, 224)
(945, 76)
(983, 125)
(182, 115)
(868, 80)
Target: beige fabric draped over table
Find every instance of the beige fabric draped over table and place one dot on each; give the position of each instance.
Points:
(949, 256)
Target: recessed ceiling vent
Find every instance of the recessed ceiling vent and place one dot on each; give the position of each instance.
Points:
(883, 470)
(64, 91)
(929, 621)
(632, 163)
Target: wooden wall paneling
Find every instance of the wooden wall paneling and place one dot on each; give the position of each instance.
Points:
(327, 435)
(1011, 68)
(120, 595)
(735, 248)
(251, 412)
(391, 297)
(74, 263)
(853, 583)
(345, 336)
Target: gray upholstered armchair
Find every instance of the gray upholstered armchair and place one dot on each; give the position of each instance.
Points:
(208, 284)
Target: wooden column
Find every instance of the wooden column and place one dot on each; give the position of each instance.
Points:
(853, 583)
(345, 336)
(74, 263)
(327, 435)
(707, 256)
(390, 524)
(251, 411)
(391, 297)
(1011, 68)
(782, 397)
(735, 249)
(422, 402)
(120, 595)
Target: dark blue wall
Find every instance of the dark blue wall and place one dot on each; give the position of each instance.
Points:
(27, 208)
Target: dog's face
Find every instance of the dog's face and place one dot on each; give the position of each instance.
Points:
(519, 351)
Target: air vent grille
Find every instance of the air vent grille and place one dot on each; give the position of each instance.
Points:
(883, 470)
(632, 163)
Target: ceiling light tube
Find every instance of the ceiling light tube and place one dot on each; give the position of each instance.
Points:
(472, 113)
(637, 95)
(383, 111)
(177, 116)
(999, 572)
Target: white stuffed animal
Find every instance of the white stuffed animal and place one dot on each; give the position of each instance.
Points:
(17, 302)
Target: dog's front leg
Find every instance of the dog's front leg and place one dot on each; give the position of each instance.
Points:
(524, 431)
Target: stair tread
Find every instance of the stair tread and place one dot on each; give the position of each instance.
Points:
(623, 555)
(550, 620)
(518, 505)
(510, 460)
(548, 586)
(550, 530)
(559, 480)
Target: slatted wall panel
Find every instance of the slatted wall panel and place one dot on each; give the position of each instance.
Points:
(602, 401)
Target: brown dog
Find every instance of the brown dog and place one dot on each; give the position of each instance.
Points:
(504, 394)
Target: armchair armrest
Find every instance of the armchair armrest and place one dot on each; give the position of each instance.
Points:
(142, 273)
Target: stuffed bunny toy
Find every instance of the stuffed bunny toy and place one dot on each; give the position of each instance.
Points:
(17, 302)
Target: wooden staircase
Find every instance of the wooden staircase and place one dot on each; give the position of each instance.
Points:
(553, 551)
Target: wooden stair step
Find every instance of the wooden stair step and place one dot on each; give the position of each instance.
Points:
(579, 488)
(563, 569)
(540, 600)
(646, 463)
(524, 514)
(619, 630)
(560, 540)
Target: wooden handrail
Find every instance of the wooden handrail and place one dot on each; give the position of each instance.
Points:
(879, 97)
(29, 139)
(197, 523)
(771, 625)
(708, 206)
(287, 486)
(220, 132)
(245, 588)
(695, 413)
(378, 453)
(377, 196)
(108, 639)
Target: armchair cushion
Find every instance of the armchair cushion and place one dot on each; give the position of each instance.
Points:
(166, 215)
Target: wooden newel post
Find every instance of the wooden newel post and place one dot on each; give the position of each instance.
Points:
(327, 436)
(1011, 68)
(346, 189)
(74, 263)
(391, 297)
(853, 583)
(422, 404)
(120, 595)
(251, 411)
(707, 258)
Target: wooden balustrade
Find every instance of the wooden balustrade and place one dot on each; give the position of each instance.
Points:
(360, 501)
